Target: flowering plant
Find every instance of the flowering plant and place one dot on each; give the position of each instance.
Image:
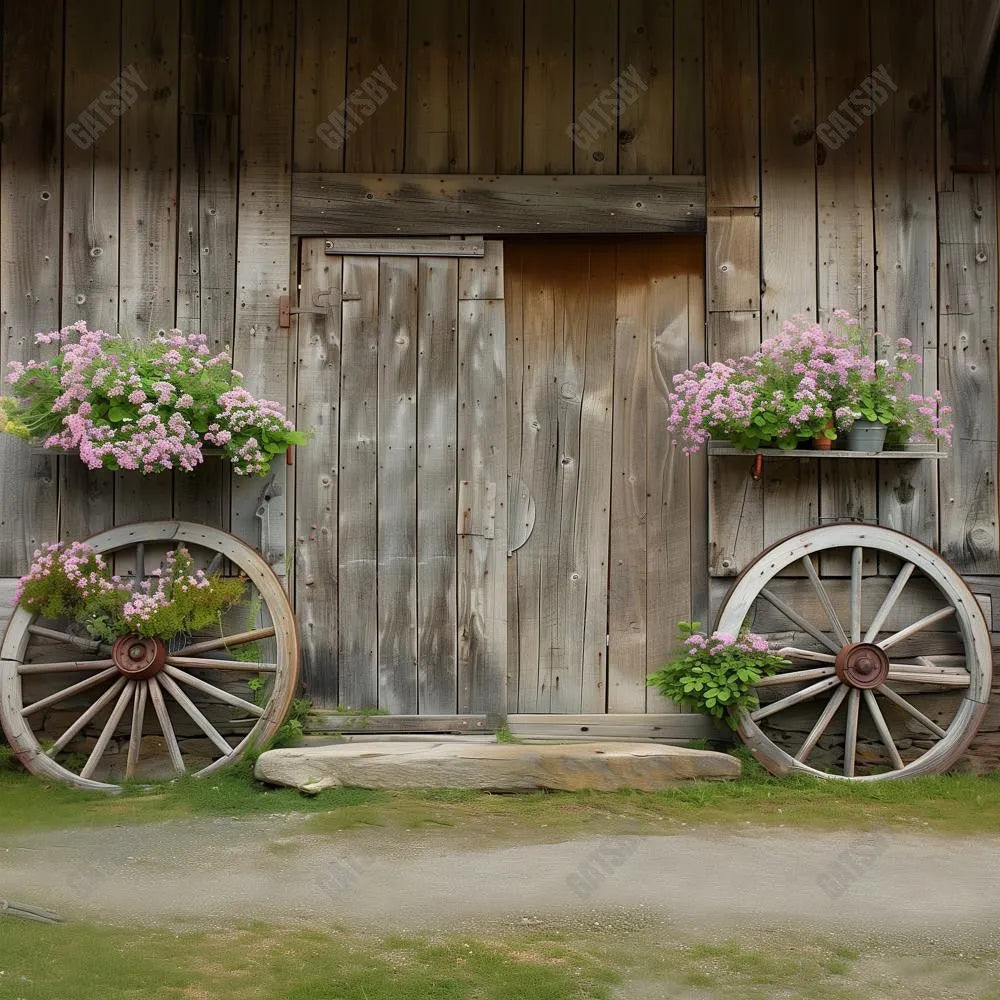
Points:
(715, 673)
(146, 406)
(74, 582)
(803, 382)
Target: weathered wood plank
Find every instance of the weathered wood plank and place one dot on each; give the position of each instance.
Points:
(320, 82)
(89, 230)
(482, 457)
(358, 509)
(437, 439)
(437, 125)
(397, 485)
(261, 349)
(597, 106)
(429, 204)
(206, 251)
(30, 164)
(548, 87)
(627, 587)
(732, 106)
(325, 722)
(377, 44)
(734, 278)
(625, 725)
(419, 246)
(905, 233)
(496, 60)
(968, 369)
(647, 60)
(689, 87)
(317, 479)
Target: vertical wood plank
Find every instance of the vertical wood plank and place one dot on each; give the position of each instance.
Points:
(358, 494)
(968, 369)
(377, 39)
(89, 230)
(548, 87)
(482, 457)
(496, 60)
(627, 587)
(595, 103)
(261, 349)
(689, 87)
(437, 476)
(320, 79)
(206, 210)
(30, 164)
(905, 233)
(317, 476)
(397, 485)
(732, 107)
(646, 43)
(437, 106)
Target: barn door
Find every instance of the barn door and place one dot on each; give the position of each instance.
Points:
(401, 528)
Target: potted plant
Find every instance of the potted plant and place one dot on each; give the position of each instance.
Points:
(717, 672)
(150, 406)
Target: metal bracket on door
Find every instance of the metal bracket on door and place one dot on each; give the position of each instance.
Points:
(319, 307)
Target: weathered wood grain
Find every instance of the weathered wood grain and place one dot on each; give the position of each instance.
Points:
(358, 493)
(647, 60)
(968, 370)
(436, 483)
(30, 164)
(732, 105)
(89, 231)
(597, 106)
(431, 204)
(689, 87)
(482, 457)
(397, 485)
(206, 210)
(320, 82)
(734, 278)
(317, 476)
(437, 109)
(496, 61)
(261, 348)
(376, 44)
(548, 87)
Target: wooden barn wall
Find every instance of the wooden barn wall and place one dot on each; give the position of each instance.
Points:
(178, 212)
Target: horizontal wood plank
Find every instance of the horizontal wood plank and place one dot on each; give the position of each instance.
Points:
(324, 204)
(419, 246)
(336, 722)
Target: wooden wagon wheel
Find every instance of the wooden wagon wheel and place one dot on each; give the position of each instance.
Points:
(137, 709)
(889, 675)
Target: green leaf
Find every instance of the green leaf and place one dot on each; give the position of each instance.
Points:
(117, 413)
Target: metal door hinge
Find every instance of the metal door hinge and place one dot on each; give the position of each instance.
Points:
(323, 303)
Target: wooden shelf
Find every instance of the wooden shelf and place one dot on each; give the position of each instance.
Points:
(720, 448)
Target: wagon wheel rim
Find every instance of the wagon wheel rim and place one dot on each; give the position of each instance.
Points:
(136, 688)
(851, 668)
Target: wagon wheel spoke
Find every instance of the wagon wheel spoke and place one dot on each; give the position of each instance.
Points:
(109, 730)
(897, 699)
(171, 687)
(883, 730)
(214, 565)
(824, 597)
(163, 716)
(65, 667)
(204, 663)
(857, 563)
(795, 676)
(135, 733)
(793, 653)
(139, 570)
(793, 616)
(89, 714)
(824, 720)
(911, 674)
(84, 685)
(917, 626)
(889, 602)
(90, 645)
(794, 699)
(224, 696)
(226, 642)
(851, 733)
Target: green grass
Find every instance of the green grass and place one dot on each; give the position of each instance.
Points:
(606, 959)
(946, 804)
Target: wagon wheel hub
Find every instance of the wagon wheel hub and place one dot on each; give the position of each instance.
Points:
(137, 657)
(862, 665)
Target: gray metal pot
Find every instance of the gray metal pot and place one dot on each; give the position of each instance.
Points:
(866, 436)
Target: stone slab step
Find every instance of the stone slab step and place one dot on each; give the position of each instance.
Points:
(504, 767)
